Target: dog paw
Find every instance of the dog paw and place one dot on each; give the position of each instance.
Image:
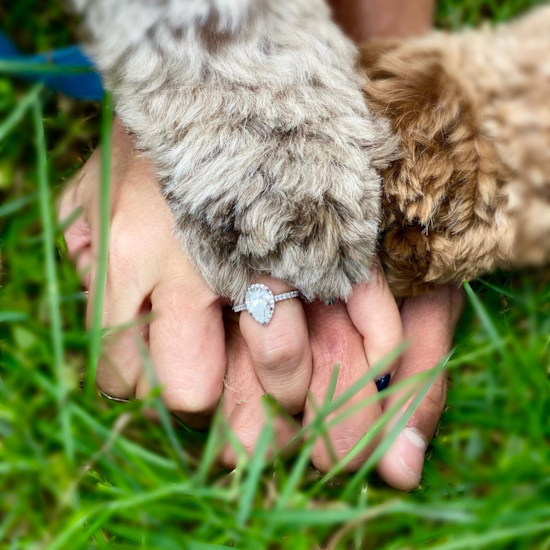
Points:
(441, 197)
(470, 192)
(294, 199)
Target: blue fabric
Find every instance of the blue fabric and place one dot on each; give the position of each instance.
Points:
(78, 85)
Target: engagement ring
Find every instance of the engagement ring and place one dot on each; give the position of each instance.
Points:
(260, 302)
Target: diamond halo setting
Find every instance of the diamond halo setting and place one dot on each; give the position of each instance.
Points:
(260, 303)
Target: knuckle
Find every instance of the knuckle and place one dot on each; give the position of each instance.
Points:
(342, 444)
(124, 254)
(284, 350)
(192, 401)
(122, 244)
(176, 293)
(434, 402)
(228, 458)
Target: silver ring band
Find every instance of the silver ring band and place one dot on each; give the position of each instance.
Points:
(111, 398)
(260, 302)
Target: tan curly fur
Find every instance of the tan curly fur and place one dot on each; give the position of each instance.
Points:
(471, 190)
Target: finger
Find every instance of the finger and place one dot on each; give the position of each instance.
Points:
(429, 322)
(334, 339)
(186, 339)
(133, 272)
(280, 351)
(79, 245)
(81, 191)
(374, 313)
(119, 367)
(242, 402)
(78, 235)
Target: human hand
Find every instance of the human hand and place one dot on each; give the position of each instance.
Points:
(185, 334)
(428, 322)
(148, 273)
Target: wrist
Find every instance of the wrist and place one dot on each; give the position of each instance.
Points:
(365, 19)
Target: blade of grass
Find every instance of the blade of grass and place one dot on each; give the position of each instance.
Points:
(129, 447)
(12, 316)
(212, 447)
(371, 375)
(52, 288)
(332, 516)
(480, 540)
(303, 458)
(498, 290)
(360, 529)
(59, 227)
(28, 67)
(15, 205)
(255, 468)
(69, 220)
(396, 507)
(320, 426)
(195, 545)
(485, 319)
(144, 319)
(104, 231)
(380, 396)
(364, 441)
(108, 509)
(242, 457)
(390, 437)
(7, 520)
(19, 112)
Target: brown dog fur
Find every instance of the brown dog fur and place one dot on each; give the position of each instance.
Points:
(471, 191)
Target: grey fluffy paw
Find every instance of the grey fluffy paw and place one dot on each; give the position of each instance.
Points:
(304, 210)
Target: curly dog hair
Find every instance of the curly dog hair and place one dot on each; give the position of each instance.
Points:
(471, 190)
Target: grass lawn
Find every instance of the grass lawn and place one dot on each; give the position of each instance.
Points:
(77, 472)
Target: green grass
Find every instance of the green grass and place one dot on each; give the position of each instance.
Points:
(79, 473)
(453, 14)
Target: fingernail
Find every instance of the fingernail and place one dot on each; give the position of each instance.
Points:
(408, 452)
(383, 382)
(416, 438)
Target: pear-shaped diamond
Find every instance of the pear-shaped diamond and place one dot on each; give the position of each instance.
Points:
(260, 303)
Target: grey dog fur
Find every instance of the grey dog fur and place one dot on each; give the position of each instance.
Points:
(253, 114)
